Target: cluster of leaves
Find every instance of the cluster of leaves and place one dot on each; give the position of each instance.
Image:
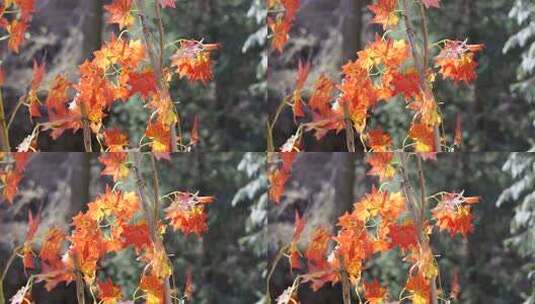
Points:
(15, 16)
(114, 222)
(381, 221)
(11, 174)
(122, 68)
(281, 16)
(387, 69)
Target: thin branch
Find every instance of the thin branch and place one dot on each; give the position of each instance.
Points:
(156, 61)
(14, 113)
(418, 216)
(420, 66)
(4, 135)
(149, 214)
(86, 128)
(350, 134)
(271, 271)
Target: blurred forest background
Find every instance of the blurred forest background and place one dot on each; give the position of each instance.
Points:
(227, 263)
(496, 262)
(497, 111)
(64, 33)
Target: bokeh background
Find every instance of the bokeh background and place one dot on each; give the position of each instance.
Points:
(496, 261)
(497, 110)
(64, 33)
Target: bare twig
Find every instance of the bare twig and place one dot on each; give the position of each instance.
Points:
(4, 135)
(149, 214)
(421, 66)
(156, 61)
(350, 134)
(86, 128)
(418, 215)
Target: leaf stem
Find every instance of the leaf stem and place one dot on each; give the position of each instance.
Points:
(4, 135)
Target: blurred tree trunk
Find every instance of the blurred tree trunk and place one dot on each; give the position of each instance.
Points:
(92, 26)
(352, 28)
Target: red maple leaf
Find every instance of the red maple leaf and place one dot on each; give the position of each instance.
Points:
(120, 12)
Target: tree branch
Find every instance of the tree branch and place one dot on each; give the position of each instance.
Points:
(418, 215)
(4, 135)
(149, 214)
(156, 61)
(420, 66)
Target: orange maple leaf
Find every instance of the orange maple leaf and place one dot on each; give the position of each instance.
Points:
(192, 60)
(374, 292)
(51, 247)
(187, 212)
(108, 292)
(381, 165)
(385, 13)
(115, 140)
(16, 31)
(120, 13)
(115, 165)
(280, 29)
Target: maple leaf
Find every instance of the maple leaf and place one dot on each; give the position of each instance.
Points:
(192, 60)
(293, 252)
(316, 252)
(291, 7)
(115, 140)
(404, 236)
(16, 31)
(51, 247)
(108, 292)
(381, 165)
(453, 213)
(27, 252)
(277, 181)
(423, 135)
(10, 180)
(115, 165)
(26, 7)
(407, 84)
(88, 245)
(385, 13)
(21, 160)
(33, 99)
(120, 13)
(167, 3)
(431, 3)
(419, 288)
(153, 286)
(160, 137)
(186, 212)
(379, 141)
(374, 293)
(143, 83)
(320, 100)
(136, 235)
(303, 70)
(280, 29)
(456, 60)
